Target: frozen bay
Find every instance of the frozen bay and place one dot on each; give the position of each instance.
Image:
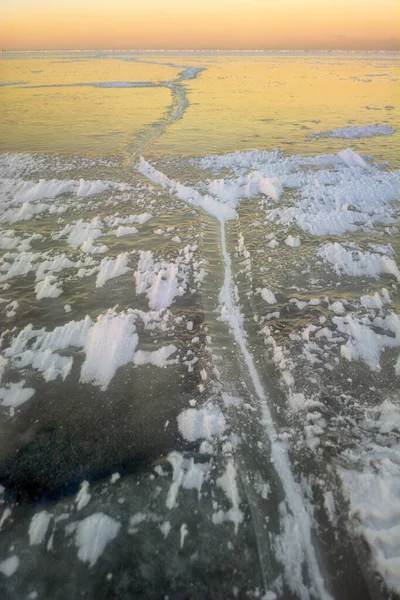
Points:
(199, 298)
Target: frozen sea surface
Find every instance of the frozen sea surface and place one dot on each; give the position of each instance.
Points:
(200, 329)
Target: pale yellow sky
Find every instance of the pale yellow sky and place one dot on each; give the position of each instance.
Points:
(202, 24)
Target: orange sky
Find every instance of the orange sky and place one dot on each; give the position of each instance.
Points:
(203, 24)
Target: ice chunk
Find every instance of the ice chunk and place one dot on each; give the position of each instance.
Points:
(48, 288)
(161, 281)
(268, 296)
(92, 536)
(352, 159)
(121, 231)
(83, 497)
(292, 242)
(9, 566)
(186, 473)
(227, 482)
(337, 308)
(205, 423)
(111, 268)
(38, 527)
(373, 301)
(159, 358)
(109, 344)
(14, 394)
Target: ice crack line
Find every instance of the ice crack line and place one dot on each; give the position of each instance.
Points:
(176, 110)
(231, 314)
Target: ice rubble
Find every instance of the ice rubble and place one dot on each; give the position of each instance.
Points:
(109, 342)
(364, 343)
(219, 210)
(18, 198)
(41, 264)
(162, 281)
(344, 193)
(373, 489)
(333, 193)
(81, 234)
(355, 262)
(354, 131)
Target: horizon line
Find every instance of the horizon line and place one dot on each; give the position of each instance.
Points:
(347, 50)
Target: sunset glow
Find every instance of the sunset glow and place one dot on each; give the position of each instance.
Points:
(195, 24)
